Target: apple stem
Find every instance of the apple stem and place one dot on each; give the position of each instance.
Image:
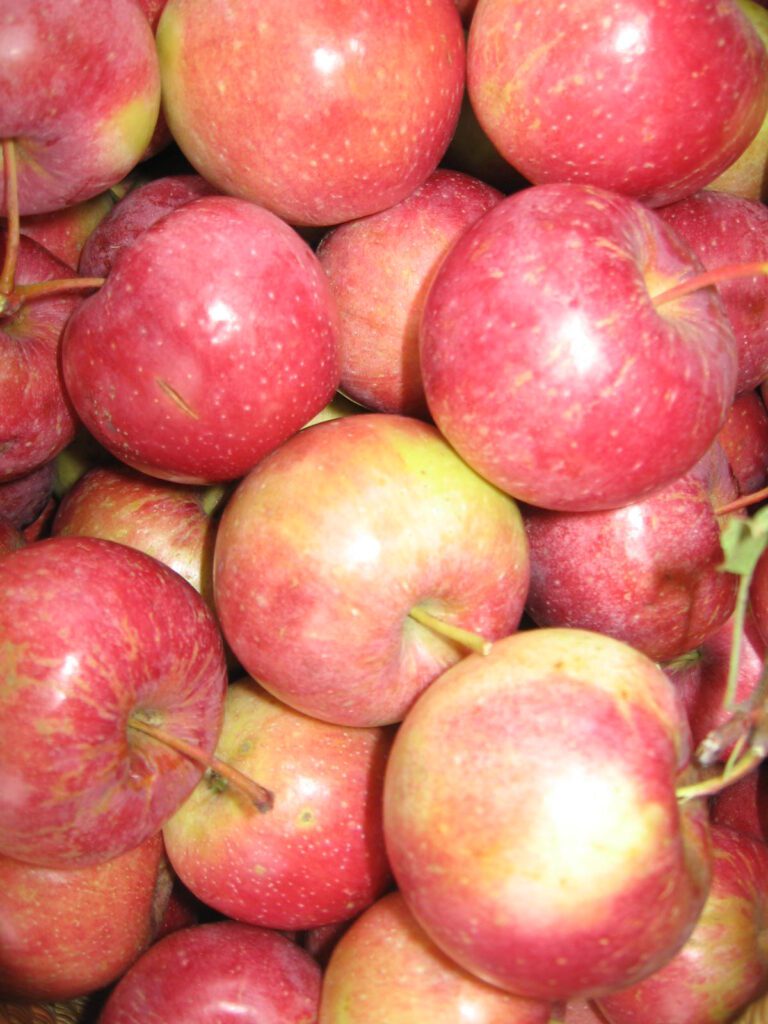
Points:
(717, 783)
(462, 636)
(23, 292)
(213, 498)
(260, 797)
(743, 501)
(8, 273)
(729, 272)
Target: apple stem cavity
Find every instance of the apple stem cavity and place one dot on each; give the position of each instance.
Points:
(8, 273)
(729, 272)
(260, 797)
(461, 636)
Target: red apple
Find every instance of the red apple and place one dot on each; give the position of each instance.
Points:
(380, 268)
(22, 500)
(549, 367)
(743, 805)
(385, 970)
(211, 342)
(226, 972)
(648, 573)
(724, 963)
(64, 232)
(744, 436)
(532, 821)
(11, 539)
(318, 857)
(80, 92)
(651, 100)
(68, 931)
(351, 528)
(95, 635)
(723, 229)
(142, 206)
(472, 152)
(341, 119)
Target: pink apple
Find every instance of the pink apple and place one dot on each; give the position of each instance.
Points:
(385, 970)
(531, 817)
(744, 437)
(549, 368)
(351, 528)
(142, 206)
(80, 91)
(380, 268)
(650, 100)
(93, 635)
(226, 972)
(318, 857)
(213, 339)
(68, 931)
(36, 417)
(724, 963)
(723, 229)
(648, 573)
(341, 119)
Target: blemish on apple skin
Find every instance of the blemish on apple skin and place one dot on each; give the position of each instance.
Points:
(176, 398)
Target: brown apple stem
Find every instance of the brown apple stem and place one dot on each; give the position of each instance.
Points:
(462, 636)
(730, 272)
(743, 501)
(260, 797)
(8, 273)
(23, 292)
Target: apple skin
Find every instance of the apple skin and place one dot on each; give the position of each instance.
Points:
(618, 96)
(144, 205)
(36, 419)
(11, 538)
(724, 964)
(64, 232)
(347, 527)
(81, 113)
(472, 152)
(546, 364)
(22, 500)
(225, 971)
(385, 970)
(380, 268)
(758, 596)
(92, 632)
(195, 359)
(318, 857)
(747, 176)
(531, 818)
(743, 805)
(744, 436)
(70, 931)
(723, 229)
(336, 121)
(648, 573)
(171, 522)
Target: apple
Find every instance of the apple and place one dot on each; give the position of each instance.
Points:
(649, 100)
(648, 573)
(723, 966)
(213, 339)
(342, 119)
(70, 931)
(318, 857)
(142, 206)
(385, 970)
(553, 366)
(23, 499)
(94, 637)
(224, 971)
(748, 175)
(80, 88)
(332, 548)
(723, 229)
(174, 523)
(11, 538)
(743, 805)
(36, 417)
(64, 232)
(380, 268)
(531, 817)
(744, 437)
(472, 152)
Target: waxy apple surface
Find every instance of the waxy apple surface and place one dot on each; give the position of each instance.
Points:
(328, 545)
(320, 112)
(213, 339)
(531, 817)
(652, 100)
(79, 95)
(92, 633)
(547, 365)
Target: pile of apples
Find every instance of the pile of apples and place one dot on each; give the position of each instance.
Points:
(383, 464)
